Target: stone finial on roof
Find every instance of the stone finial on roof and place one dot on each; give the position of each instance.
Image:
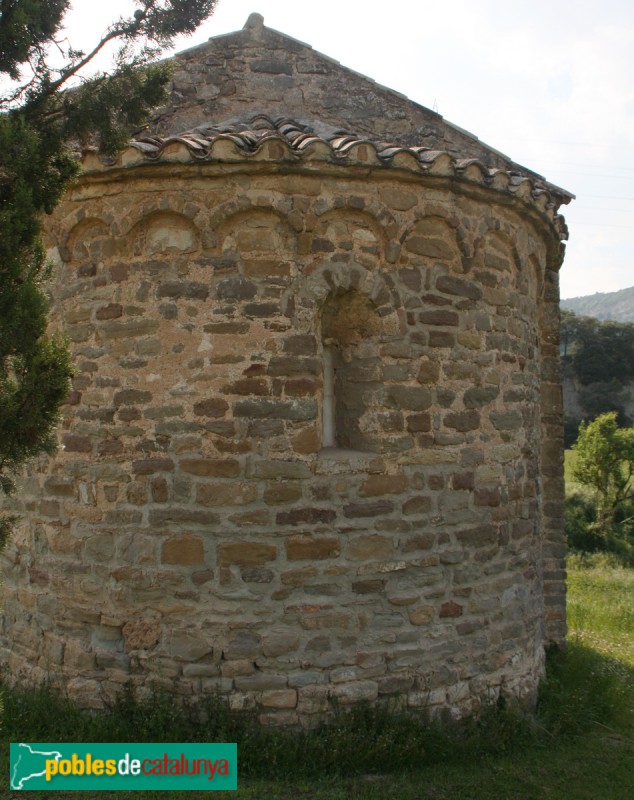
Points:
(255, 22)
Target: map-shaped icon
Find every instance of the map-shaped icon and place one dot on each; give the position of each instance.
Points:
(29, 763)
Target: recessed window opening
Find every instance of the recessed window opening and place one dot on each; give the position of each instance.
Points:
(350, 327)
(329, 438)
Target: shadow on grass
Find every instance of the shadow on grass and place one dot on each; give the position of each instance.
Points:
(585, 688)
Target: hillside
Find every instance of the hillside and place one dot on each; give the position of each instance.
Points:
(618, 306)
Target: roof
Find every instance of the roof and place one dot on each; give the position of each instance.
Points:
(260, 70)
(259, 95)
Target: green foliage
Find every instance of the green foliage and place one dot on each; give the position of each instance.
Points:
(42, 122)
(112, 107)
(605, 463)
(352, 743)
(602, 397)
(599, 357)
(568, 332)
(580, 519)
(597, 352)
(584, 536)
(27, 26)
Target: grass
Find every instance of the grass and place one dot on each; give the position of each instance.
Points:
(579, 746)
(601, 607)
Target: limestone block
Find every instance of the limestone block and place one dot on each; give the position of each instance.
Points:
(79, 656)
(186, 646)
(326, 620)
(246, 553)
(261, 682)
(279, 643)
(426, 699)
(53, 650)
(244, 644)
(85, 692)
(363, 548)
(107, 659)
(200, 670)
(207, 467)
(377, 485)
(422, 615)
(280, 493)
(183, 550)
(355, 692)
(305, 516)
(257, 575)
(141, 634)
(395, 684)
(242, 701)
(226, 494)
(417, 505)
(368, 586)
(279, 698)
(305, 548)
(312, 699)
(382, 567)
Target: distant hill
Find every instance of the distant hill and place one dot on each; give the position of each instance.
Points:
(618, 306)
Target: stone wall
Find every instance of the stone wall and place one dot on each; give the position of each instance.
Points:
(193, 532)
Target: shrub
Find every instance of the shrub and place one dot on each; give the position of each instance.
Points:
(584, 535)
(605, 463)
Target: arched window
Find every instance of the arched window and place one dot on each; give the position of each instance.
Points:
(350, 326)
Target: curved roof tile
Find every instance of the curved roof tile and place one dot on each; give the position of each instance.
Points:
(250, 136)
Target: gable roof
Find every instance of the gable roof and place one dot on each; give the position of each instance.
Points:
(258, 70)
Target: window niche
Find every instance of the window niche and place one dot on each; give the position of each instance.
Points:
(350, 330)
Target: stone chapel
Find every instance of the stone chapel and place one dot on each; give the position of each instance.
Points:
(313, 450)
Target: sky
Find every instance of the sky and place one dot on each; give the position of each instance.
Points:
(550, 83)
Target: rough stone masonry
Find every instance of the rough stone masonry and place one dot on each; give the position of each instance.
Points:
(314, 252)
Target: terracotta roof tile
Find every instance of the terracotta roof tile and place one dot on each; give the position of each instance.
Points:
(320, 141)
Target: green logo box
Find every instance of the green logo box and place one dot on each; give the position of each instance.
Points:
(68, 767)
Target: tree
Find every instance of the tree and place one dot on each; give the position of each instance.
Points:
(601, 397)
(602, 351)
(46, 116)
(605, 463)
(570, 325)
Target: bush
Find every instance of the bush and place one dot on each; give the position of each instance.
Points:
(584, 535)
(580, 516)
(605, 464)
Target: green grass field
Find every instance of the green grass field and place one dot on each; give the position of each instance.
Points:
(601, 610)
(580, 746)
